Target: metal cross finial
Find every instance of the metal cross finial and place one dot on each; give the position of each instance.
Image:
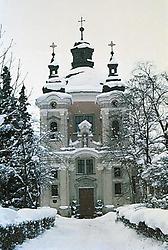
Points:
(81, 21)
(53, 46)
(112, 45)
(81, 28)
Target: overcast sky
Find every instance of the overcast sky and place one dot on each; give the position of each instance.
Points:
(138, 27)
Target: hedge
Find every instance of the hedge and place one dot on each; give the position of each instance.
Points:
(15, 234)
(145, 230)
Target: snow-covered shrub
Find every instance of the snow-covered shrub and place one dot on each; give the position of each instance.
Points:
(15, 227)
(75, 209)
(99, 207)
(150, 221)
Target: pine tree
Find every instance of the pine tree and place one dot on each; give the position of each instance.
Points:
(8, 111)
(23, 157)
(19, 175)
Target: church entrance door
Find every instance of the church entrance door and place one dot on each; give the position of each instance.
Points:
(86, 201)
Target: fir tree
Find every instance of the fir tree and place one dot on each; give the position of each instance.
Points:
(8, 111)
(23, 157)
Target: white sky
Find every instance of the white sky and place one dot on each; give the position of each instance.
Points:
(138, 27)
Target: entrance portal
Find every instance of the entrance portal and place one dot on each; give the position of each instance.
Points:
(86, 201)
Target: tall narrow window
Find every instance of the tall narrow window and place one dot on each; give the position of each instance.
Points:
(81, 167)
(55, 174)
(53, 130)
(115, 128)
(89, 166)
(54, 190)
(117, 188)
(117, 172)
(53, 127)
(134, 184)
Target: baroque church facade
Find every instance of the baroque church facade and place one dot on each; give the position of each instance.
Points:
(83, 121)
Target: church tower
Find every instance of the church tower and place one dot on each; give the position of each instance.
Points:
(111, 103)
(82, 52)
(53, 106)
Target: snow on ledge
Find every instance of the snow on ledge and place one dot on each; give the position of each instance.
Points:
(64, 207)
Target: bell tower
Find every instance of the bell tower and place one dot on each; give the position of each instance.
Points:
(113, 82)
(82, 52)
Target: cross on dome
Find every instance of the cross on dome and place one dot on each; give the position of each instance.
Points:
(81, 28)
(112, 45)
(81, 21)
(53, 46)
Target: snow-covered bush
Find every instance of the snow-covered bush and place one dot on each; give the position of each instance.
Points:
(150, 221)
(16, 226)
(75, 209)
(99, 207)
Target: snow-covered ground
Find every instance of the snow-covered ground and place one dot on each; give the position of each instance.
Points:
(102, 233)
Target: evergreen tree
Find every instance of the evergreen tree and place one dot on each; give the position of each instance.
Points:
(19, 175)
(8, 113)
(23, 157)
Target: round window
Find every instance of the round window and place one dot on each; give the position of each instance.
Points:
(53, 104)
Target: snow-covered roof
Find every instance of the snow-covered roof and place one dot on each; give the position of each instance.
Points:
(83, 79)
(82, 44)
(54, 79)
(54, 63)
(85, 125)
(112, 82)
(55, 83)
(59, 96)
(107, 97)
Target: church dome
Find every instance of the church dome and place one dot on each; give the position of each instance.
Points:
(83, 79)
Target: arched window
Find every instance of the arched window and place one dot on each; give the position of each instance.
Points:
(117, 172)
(53, 130)
(53, 127)
(115, 128)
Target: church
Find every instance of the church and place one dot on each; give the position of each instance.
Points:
(82, 121)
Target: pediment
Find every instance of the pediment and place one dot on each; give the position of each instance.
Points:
(55, 98)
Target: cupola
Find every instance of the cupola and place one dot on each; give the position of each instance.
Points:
(82, 51)
(54, 82)
(113, 82)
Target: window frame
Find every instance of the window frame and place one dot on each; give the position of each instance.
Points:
(53, 131)
(53, 193)
(115, 127)
(55, 174)
(118, 186)
(88, 165)
(117, 172)
(89, 117)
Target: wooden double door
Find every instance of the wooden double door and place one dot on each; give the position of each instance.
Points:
(86, 202)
